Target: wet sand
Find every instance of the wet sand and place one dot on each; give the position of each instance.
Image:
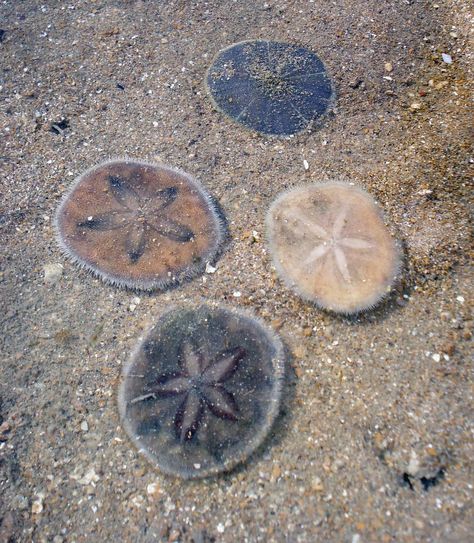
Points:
(374, 442)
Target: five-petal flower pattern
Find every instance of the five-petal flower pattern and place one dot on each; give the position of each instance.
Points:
(333, 242)
(201, 385)
(141, 216)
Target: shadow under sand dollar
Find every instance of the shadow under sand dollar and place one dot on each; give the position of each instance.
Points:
(139, 225)
(271, 87)
(202, 390)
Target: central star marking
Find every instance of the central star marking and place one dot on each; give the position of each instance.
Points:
(201, 385)
(140, 216)
(331, 242)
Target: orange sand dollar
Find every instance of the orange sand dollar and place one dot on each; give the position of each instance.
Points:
(329, 243)
(138, 224)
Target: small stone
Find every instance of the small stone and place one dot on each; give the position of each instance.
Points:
(448, 348)
(317, 485)
(277, 324)
(414, 464)
(237, 294)
(425, 192)
(378, 440)
(436, 357)
(5, 427)
(441, 84)
(356, 83)
(220, 528)
(138, 501)
(276, 473)
(209, 268)
(460, 299)
(52, 272)
(415, 106)
(37, 505)
(174, 536)
(305, 164)
(299, 372)
(299, 351)
(431, 451)
(88, 478)
(153, 489)
(448, 59)
(255, 237)
(388, 67)
(164, 40)
(307, 331)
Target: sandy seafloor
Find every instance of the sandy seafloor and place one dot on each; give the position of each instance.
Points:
(375, 442)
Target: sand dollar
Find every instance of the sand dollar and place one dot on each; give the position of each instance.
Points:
(138, 224)
(329, 243)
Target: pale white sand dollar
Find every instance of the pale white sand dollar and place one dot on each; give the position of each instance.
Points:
(329, 243)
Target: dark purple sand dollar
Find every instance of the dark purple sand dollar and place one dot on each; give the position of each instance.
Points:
(138, 224)
(202, 390)
(274, 88)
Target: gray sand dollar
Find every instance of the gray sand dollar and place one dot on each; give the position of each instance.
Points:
(202, 389)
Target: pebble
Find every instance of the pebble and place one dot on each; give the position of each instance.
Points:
(276, 473)
(84, 426)
(299, 372)
(37, 505)
(4, 429)
(414, 464)
(209, 268)
(317, 485)
(448, 348)
(52, 272)
(153, 489)
(174, 536)
(388, 67)
(277, 324)
(447, 58)
(138, 501)
(299, 351)
(255, 237)
(88, 478)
